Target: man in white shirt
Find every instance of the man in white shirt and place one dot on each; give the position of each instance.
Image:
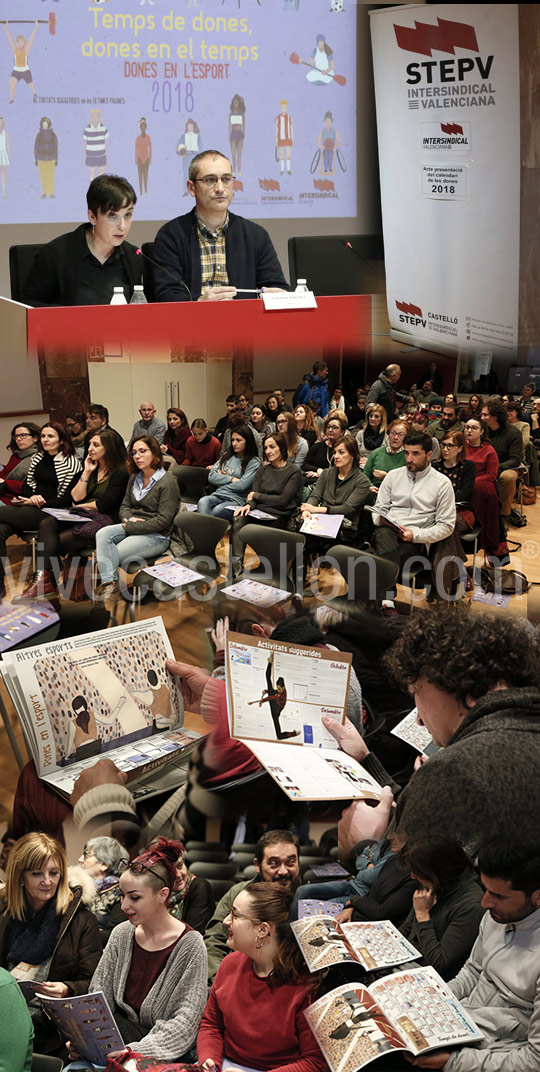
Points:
(417, 506)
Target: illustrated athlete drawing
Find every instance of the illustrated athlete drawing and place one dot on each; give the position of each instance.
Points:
(276, 696)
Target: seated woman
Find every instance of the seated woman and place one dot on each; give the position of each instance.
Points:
(277, 489)
(341, 489)
(46, 933)
(446, 912)
(53, 472)
(254, 1017)
(146, 515)
(259, 422)
(98, 493)
(75, 424)
(297, 446)
(382, 460)
(319, 456)
(202, 448)
(305, 424)
(473, 408)
(191, 898)
(373, 434)
(272, 407)
(154, 969)
(104, 859)
(461, 474)
(232, 476)
(176, 435)
(23, 444)
(84, 266)
(485, 497)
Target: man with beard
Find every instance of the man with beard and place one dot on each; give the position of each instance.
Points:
(449, 422)
(276, 860)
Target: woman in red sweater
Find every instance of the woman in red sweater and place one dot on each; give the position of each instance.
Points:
(254, 1017)
(202, 448)
(177, 435)
(485, 498)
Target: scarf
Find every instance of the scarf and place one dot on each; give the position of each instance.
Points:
(19, 471)
(33, 940)
(176, 903)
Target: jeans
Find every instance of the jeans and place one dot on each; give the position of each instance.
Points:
(214, 504)
(321, 891)
(114, 548)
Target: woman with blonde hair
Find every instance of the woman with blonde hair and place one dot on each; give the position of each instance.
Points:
(305, 423)
(374, 433)
(297, 446)
(47, 935)
(254, 1017)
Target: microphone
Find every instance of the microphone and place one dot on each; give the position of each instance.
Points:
(348, 245)
(370, 262)
(177, 278)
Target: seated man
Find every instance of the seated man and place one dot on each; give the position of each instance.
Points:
(449, 422)
(211, 250)
(417, 506)
(507, 442)
(499, 984)
(149, 424)
(276, 860)
(97, 419)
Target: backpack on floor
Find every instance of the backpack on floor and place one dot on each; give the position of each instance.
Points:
(505, 582)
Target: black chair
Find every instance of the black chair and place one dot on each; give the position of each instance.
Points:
(330, 266)
(148, 272)
(469, 539)
(192, 481)
(277, 551)
(43, 1062)
(249, 872)
(21, 262)
(212, 868)
(190, 846)
(367, 576)
(242, 860)
(205, 532)
(244, 846)
(220, 886)
(211, 856)
(312, 850)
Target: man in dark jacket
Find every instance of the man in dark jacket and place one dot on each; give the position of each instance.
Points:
(476, 690)
(507, 441)
(316, 389)
(384, 393)
(210, 249)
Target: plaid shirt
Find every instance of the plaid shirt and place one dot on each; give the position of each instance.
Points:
(213, 255)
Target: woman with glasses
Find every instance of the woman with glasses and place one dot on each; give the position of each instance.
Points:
(319, 456)
(254, 1017)
(373, 434)
(52, 473)
(485, 497)
(104, 859)
(47, 935)
(460, 472)
(154, 969)
(385, 458)
(23, 444)
(297, 446)
(146, 515)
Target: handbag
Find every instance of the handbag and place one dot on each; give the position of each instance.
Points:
(128, 1061)
(507, 582)
(88, 529)
(528, 493)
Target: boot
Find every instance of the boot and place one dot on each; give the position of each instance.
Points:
(41, 587)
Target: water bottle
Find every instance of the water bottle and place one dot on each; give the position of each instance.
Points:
(139, 297)
(301, 286)
(118, 297)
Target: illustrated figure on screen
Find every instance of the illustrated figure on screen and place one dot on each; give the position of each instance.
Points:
(284, 136)
(46, 155)
(4, 155)
(321, 63)
(328, 141)
(276, 696)
(291, 5)
(95, 140)
(143, 156)
(21, 71)
(237, 131)
(188, 147)
(85, 742)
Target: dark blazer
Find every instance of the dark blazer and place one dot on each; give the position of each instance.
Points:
(251, 258)
(390, 896)
(78, 946)
(54, 278)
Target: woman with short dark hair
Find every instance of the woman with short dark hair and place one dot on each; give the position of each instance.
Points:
(23, 444)
(341, 489)
(84, 266)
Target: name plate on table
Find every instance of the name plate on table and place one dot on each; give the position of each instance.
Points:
(283, 300)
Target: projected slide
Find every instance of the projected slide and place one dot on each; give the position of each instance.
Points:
(138, 87)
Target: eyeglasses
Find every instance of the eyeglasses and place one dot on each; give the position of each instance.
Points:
(23, 435)
(448, 446)
(212, 180)
(140, 869)
(241, 915)
(143, 450)
(88, 852)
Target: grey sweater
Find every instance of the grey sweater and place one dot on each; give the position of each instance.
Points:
(158, 508)
(173, 1007)
(341, 496)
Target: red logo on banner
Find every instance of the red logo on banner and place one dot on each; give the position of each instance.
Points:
(406, 307)
(268, 184)
(451, 128)
(238, 185)
(444, 37)
(323, 184)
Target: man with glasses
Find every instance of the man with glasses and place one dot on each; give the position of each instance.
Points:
(210, 251)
